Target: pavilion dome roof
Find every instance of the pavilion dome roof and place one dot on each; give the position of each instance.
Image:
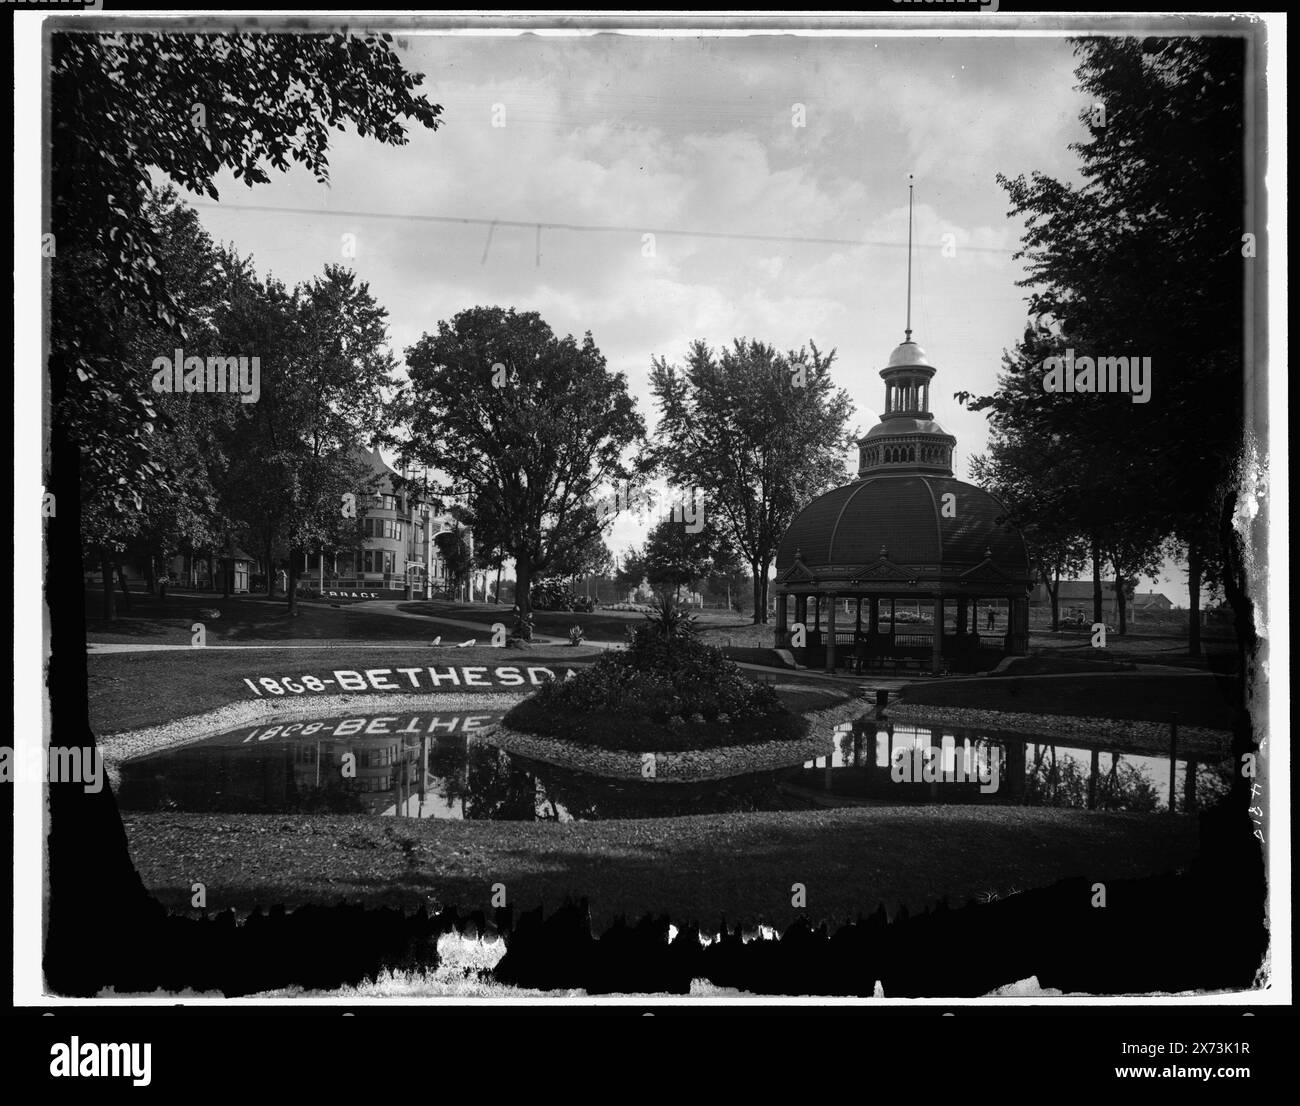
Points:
(904, 424)
(893, 524)
(907, 355)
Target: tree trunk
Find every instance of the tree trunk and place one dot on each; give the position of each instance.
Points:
(150, 576)
(1194, 596)
(1243, 609)
(764, 582)
(1096, 582)
(212, 573)
(270, 571)
(1120, 605)
(498, 592)
(1054, 590)
(523, 596)
(106, 570)
(292, 578)
(227, 571)
(758, 595)
(126, 592)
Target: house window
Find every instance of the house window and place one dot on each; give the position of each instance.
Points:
(383, 528)
(377, 560)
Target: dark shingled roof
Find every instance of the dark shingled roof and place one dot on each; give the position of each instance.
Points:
(848, 527)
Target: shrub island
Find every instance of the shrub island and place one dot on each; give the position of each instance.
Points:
(666, 692)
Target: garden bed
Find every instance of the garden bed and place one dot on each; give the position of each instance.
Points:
(682, 765)
(628, 733)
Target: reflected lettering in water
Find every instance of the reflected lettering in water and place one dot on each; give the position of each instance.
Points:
(419, 765)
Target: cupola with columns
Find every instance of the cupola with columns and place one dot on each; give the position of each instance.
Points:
(907, 440)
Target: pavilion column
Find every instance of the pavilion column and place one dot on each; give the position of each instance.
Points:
(1018, 625)
(936, 656)
(801, 610)
(857, 625)
(830, 636)
(780, 620)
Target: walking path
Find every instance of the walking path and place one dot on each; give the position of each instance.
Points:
(481, 633)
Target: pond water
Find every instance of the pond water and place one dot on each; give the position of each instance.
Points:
(440, 765)
(912, 761)
(412, 765)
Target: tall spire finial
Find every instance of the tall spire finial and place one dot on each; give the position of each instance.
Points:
(908, 331)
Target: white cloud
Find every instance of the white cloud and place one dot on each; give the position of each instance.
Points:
(645, 133)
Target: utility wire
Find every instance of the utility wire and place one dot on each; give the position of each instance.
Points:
(543, 224)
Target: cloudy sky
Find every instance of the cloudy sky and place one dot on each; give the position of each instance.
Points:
(655, 133)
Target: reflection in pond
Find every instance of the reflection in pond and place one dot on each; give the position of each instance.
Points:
(427, 765)
(897, 761)
(419, 765)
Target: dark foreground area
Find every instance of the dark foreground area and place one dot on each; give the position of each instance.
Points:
(847, 860)
(1113, 927)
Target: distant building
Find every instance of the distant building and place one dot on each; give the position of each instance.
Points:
(1152, 601)
(1075, 599)
(401, 526)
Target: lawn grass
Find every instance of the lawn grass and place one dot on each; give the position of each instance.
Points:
(850, 860)
(130, 691)
(1219, 652)
(247, 619)
(1200, 699)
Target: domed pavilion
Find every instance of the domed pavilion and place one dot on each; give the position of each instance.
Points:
(904, 565)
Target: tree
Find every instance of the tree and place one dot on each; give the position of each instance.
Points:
(1160, 207)
(120, 106)
(727, 578)
(1014, 471)
(675, 557)
(186, 106)
(455, 553)
(758, 433)
(631, 569)
(1066, 469)
(490, 556)
(295, 452)
(592, 558)
(177, 510)
(530, 424)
